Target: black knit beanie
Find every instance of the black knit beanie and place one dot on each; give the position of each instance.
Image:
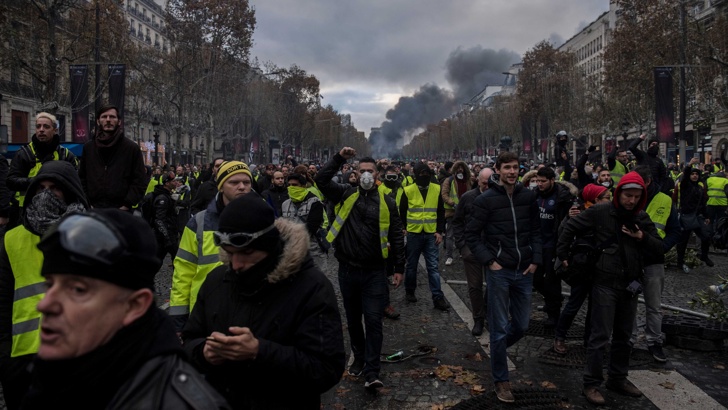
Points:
(250, 213)
(133, 268)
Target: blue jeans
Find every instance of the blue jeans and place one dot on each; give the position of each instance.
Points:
(365, 293)
(509, 294)
(422, 243)
(653, 283)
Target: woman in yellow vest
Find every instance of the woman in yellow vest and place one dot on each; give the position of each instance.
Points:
(55, 191)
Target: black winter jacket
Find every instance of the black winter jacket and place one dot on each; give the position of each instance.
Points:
(358, 242)
(505, 227)
(463, 211)
(115, 176)
(23, 161)
(621, 261)
(165, 217)
(657, 167)
(295, 318)
(275, 196)
(566, 193)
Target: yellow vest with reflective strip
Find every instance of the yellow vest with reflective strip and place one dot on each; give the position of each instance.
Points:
(617, 172)
(387, 190)
(196, 258)
(454, 195)
(20, 196)
(346, 208)
(25, 261)
(659, 211)
(716, 191)
(422, 214)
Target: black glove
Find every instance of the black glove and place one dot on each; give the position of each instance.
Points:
(592, 148)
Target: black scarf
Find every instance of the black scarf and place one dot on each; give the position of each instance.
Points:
(92, 380)
(43, 149)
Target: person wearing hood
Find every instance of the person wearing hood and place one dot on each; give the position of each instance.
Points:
(44, 146)
(268, 317)
(366, 231)
(625, 234)
(303, 206)
(554, 201)
(55, 191)
(691, 199)
(165, 216)
(422, 210)
(653, 161)
(452, 189)
(444, 172)
(112, 167)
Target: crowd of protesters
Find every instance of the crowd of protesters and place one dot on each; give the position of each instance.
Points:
(250, 306)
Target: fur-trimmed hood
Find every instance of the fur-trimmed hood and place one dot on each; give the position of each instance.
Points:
(295, 250)
(573, 190)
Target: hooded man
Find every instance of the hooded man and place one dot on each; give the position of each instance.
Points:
(44, 146)
(452, 189)
(112, 168)
(625, 234)
(268, 317)
(652, 160)
(104, 344)
(54, 191)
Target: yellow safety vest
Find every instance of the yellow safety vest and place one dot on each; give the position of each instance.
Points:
(196, 258)
(408, 180)
(26, 261)
(346, 208)
(454, 195)
(659, 211)
(422, 214)
(716, 191)
(617, 172)
(387, 190)
(20, 196)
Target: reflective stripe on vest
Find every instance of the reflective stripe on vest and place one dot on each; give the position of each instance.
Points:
(343, 214)
(20, 197)
(659, 211)
(422, 214)
(716, 191)
(454, 195)
(617, 172)
(25, 262)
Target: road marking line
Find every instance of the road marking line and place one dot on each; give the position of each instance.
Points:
(466, 315)
(685, 394)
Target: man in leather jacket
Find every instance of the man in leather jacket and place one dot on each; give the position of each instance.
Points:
(103, 341)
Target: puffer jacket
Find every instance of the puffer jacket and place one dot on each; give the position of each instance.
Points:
(165, 217)
(505, 227)
(295, 318)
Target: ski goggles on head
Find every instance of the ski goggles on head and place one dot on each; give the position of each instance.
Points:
(238, 239)
(391, 177)
(88, 238)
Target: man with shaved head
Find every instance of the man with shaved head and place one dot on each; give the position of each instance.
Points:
(474, 271)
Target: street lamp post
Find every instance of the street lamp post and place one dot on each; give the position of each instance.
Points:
(155, 128)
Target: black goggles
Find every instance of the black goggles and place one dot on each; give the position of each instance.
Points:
(391, 177)
(88, 238)
(238, 239)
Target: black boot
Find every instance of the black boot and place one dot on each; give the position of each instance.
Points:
(478, 327)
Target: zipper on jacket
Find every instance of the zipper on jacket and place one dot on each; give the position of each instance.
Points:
(515, 228)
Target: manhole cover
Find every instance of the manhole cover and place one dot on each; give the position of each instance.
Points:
(575, 357)
(526, 398)
(537, 328)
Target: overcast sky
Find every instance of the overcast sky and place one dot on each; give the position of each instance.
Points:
(369, 53)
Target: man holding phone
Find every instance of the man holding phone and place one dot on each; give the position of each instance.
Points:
(625, 233)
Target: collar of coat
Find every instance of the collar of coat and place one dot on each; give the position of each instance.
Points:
(295, 250)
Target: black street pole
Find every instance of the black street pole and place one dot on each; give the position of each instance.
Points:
(155, 127)
(97, 58)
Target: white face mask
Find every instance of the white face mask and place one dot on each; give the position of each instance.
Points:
(366, 181)
(605, 184)
(460, 175)
(532, 185)
(595, 175)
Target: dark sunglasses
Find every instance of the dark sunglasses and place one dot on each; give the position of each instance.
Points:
(88, 238)
(238, 239)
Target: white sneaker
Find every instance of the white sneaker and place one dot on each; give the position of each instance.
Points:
(685, 268)
(715, 289)
(448, 262)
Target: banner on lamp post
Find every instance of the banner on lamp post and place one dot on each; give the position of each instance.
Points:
(79, 103)
(117, 86)
(664, 110)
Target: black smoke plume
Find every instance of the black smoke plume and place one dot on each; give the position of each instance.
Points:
(470, 70)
